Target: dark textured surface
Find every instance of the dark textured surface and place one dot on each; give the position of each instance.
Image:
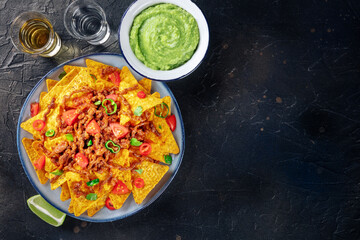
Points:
(272, 122)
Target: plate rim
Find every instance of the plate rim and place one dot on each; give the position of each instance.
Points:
(155, 197)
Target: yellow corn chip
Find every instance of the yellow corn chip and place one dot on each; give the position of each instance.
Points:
(100, 203)
(163, 145)
(58, 182)
(33, 156)
(50, 84)
(122, 158)
(146, 84)
(65, 192)
(118, 200)
(68, 68)
(71, 207)
(42, 95)
(156, 94)
(152, 174)
(95, 68)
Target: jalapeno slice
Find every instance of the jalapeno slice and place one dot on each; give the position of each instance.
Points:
(112, 102)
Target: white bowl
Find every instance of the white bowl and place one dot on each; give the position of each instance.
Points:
(177, 73)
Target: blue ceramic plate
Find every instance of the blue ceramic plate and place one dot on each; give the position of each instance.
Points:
(53, 197)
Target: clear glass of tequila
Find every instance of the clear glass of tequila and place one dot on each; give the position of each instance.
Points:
(32, 32)
(86, 20)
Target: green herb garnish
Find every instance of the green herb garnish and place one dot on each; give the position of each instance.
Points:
(57, 172)
(69, 137)
(168, 159)
(93, 182)
(91, 196)
(89, 143)
(97, 103)
(138, 111)
(135, 142)
(139, 171)
(62, 75)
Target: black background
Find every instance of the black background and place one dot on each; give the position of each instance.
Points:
(271, 117)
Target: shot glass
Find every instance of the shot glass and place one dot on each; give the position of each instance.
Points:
(86, 20)
(32, 32)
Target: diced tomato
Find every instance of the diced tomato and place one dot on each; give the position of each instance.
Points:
(119, 130)
(115, 78)
(70, 116)
(93, 127)
(171, 121)
(141, 94)
(120, 188)
(145, 149)
(108, 204)
(40, 163)
(81, 160)
(39, 125)
(34, 109)
(139, 183)
(112, 96)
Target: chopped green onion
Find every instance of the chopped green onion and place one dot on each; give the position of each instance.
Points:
(138, 111)
(57, 172)
(62, 75)
(160, 126)
(135, 142)
(89, 143)
(91, 196)
(93, 76)
(139, 171)
(162, 108)
(97, 103)
(111, 149)
(69, 137)
(112, 104)
(93, 182)
(168, 159)
(50, 133)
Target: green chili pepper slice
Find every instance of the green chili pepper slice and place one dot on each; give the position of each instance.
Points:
(97, 103)
(93, 182)
(91, 196)
(162, 108)
(112, 104)
(90, 143)
(93, 76)
(111, 149)
(50, 133)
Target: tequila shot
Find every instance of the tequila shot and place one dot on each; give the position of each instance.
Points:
(86, 20)
(32, 33)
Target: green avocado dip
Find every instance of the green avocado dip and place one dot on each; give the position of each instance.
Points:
(164, 36)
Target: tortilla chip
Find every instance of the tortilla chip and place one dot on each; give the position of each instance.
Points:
(71, 206)
(79, 204)
(167, 100)
(42, 95)
(33, 156)
(122, 158)
(152, 174)
(65, 192)
(163, 145)
(100, 203)
(49, 166)
(146, 84)
(59, 87)
(156, 94)
(118, 200)
(96, 67)
(58, 182)
(68, 68)
(50, 84)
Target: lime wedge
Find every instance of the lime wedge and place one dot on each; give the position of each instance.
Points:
(45, 211)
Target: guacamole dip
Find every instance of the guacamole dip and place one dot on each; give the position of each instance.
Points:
(164, 36)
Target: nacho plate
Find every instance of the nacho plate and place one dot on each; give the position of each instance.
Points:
(53, 197)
